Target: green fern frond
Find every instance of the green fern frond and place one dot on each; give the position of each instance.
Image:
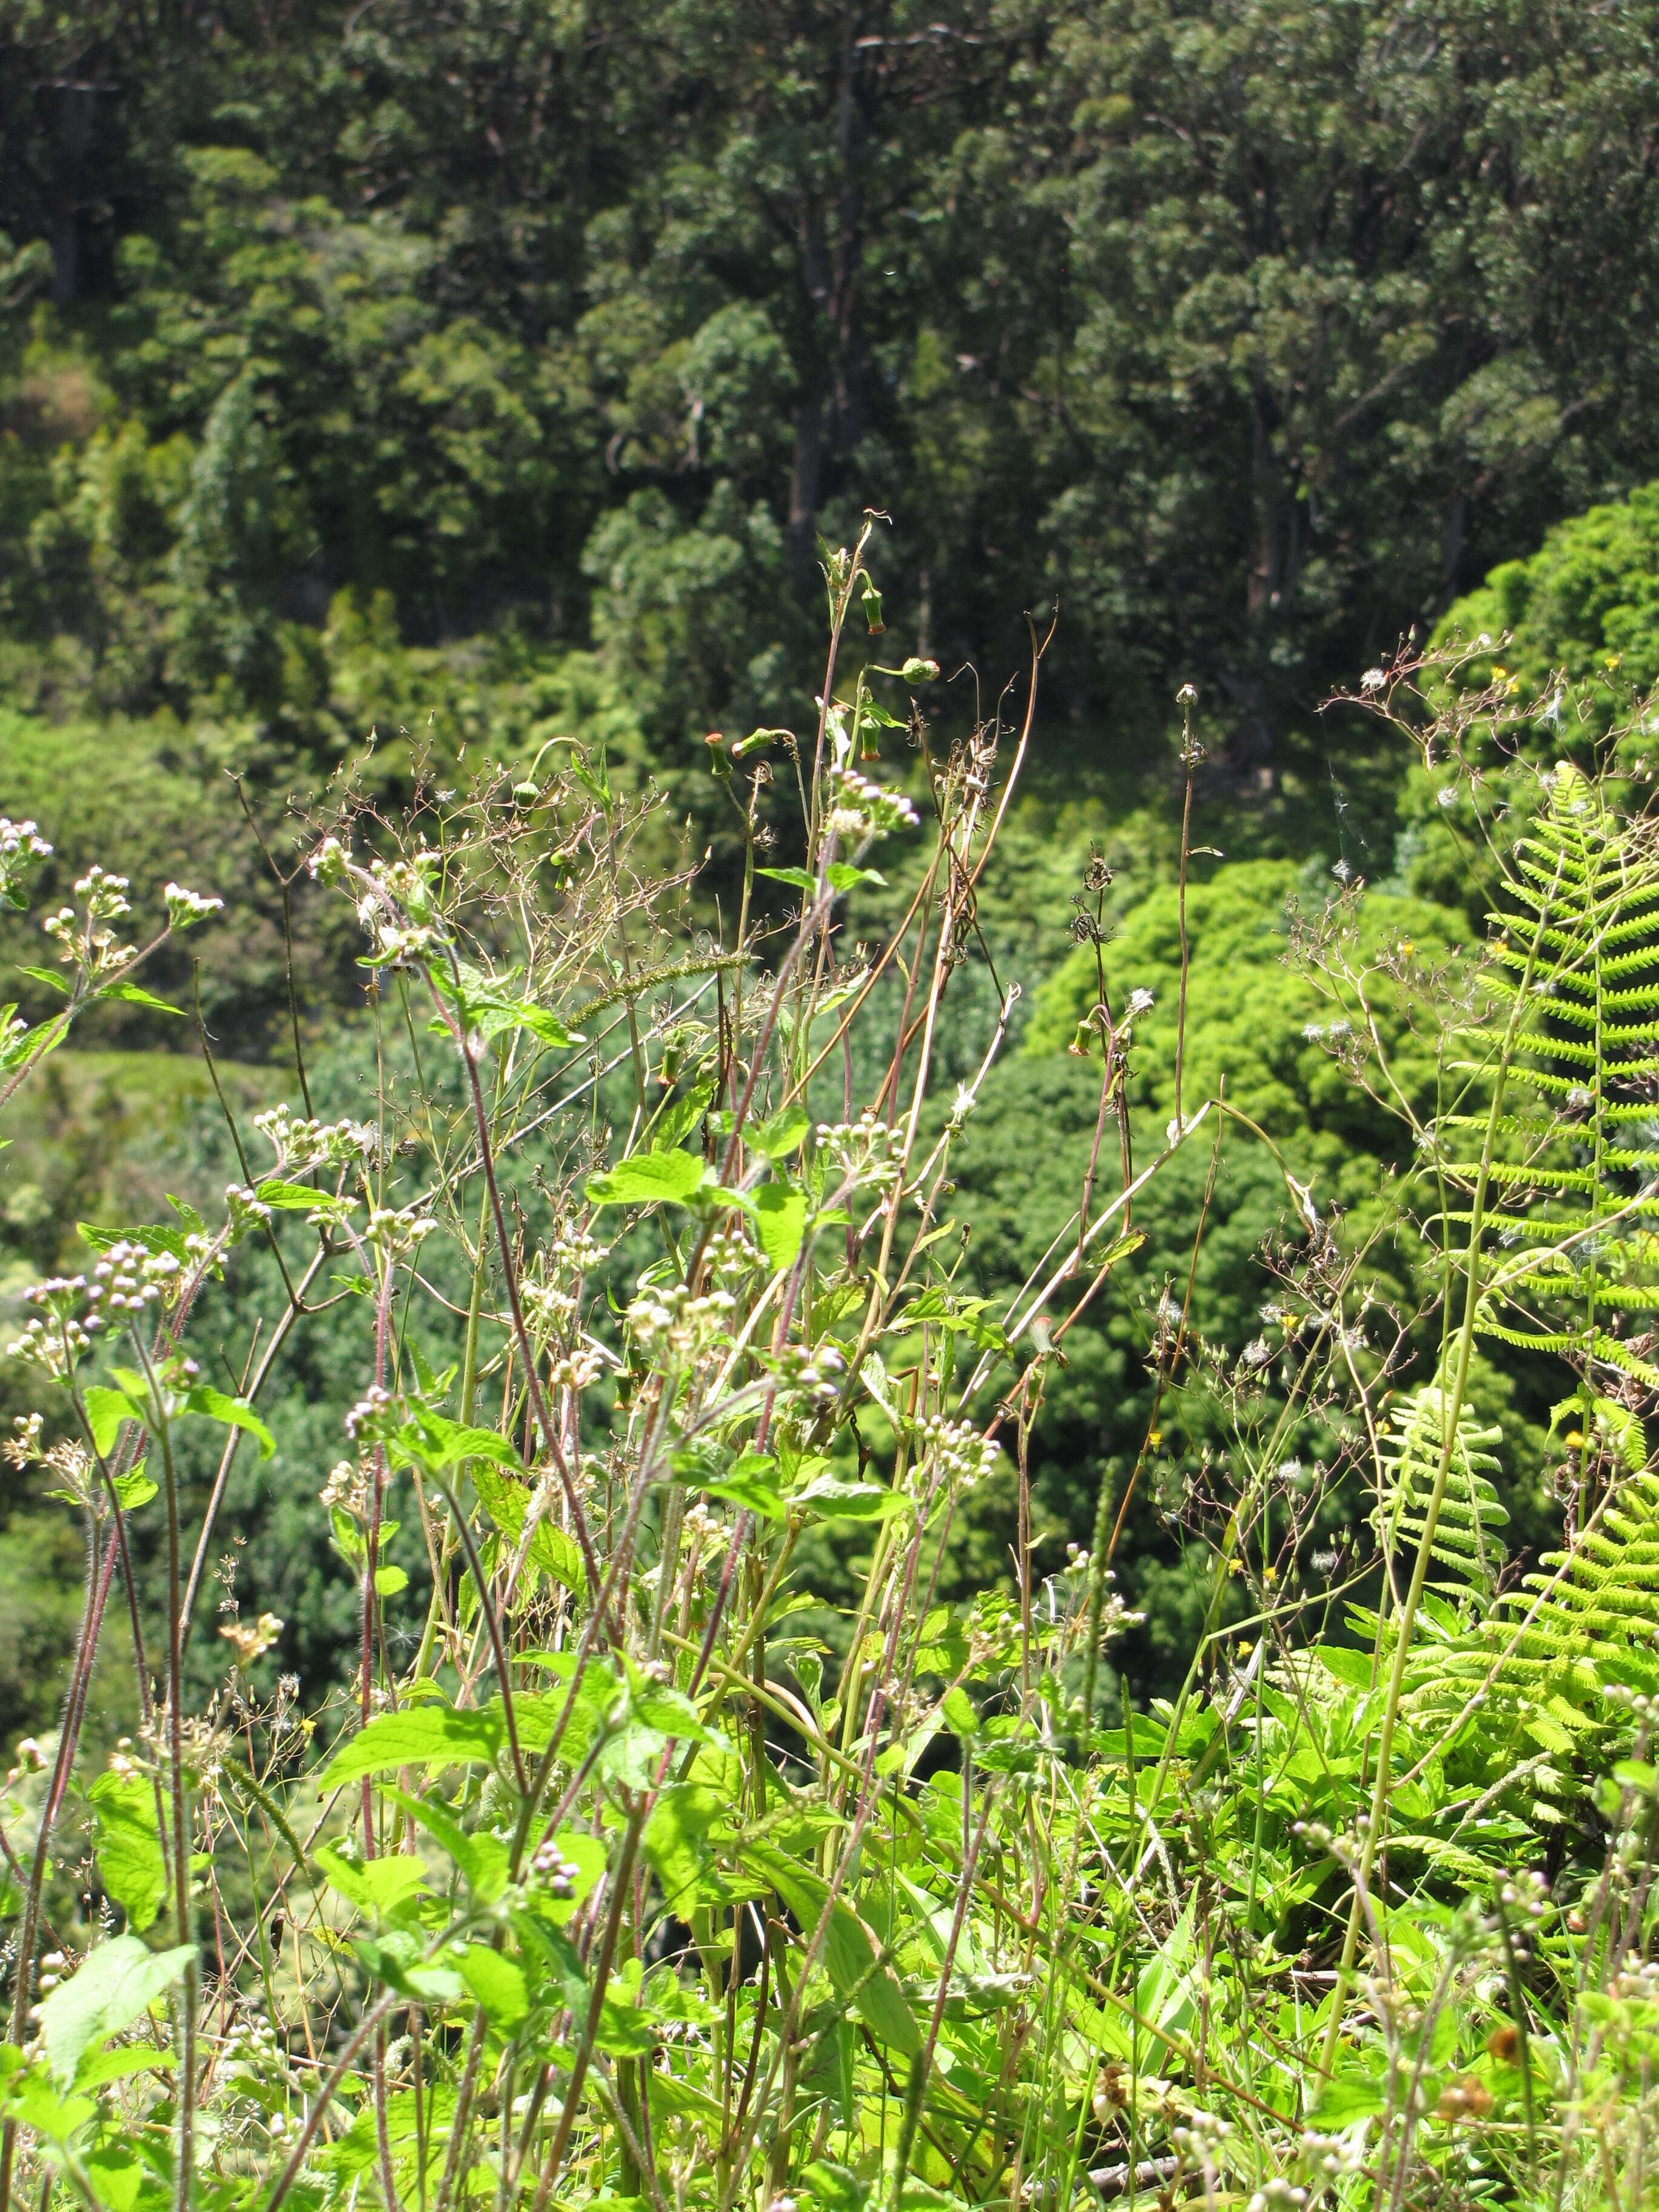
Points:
(1466, 1537)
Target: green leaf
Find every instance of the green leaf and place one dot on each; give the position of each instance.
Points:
(672, 1839)
(677, 1121)
(781, 1135)
(957, 1707)
(498, 1983)
(53, 983)
(779, 1213)
(134, 997)
(649, 1179)
(378, 1885)
(134, 1489)
(130, 1858)
(117, 2175)
(433, 1441)
(840, 876)
(116, 1982)
(551, 1550)
(388, 1581)
(835, 1500)
(749, 1483)
(105, 1410)
(1348, 2096)
(482, 1858)
(1348, 1665)
(302, 1198)
(420, 1735)
(849, 1952)
(236, 1413)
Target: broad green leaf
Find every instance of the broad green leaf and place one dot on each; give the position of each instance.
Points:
(301, 1198)
(751, 1482)
(498, 1983)
(849, 1951)
(134, 1488)
(677, 1121)
(105, 1410)
(116, 1982)
(672, 1839)
(418, 1735)
(130, 1858)
(835, 1500)
(378, 1885)
(782, 1134)
(780, 1211)
(482, 1858)
(957, 1708)
(432, 1440)
(117, 2175)
(649, 1179)
(46, 976)
(552, 1550)
(236, 1413)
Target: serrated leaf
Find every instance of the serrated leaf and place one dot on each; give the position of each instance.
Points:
(236, 1413)
(499, 1984)
(105, 1410)
(780, 1214)
(130, 1863)
(835, 1500)
(116, 1982)
(649, 1179)
(134, 996)
(551, 1549)
(422, 1735)
(134, 1489)
(782, 1134)
(45, 976)
(677, 1121)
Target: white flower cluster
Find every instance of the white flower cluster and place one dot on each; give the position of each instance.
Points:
(399, 1231)
(813, 1373)
(397, 911)
(551, 1867)
(548, 1310)
(667, 1321)
(347, 1487)
(93, 947)
(861, 809)
(131, 1279)
(21, 850)
(373, 1403)
(867, 1153)
(1277, 2196)
(572, 1252)
(961, 1456)
(54, 1338)
(244, 1206)
(731, 1256)
(579, 1367)
(185, 908)
(300, 1145)
(328, 864)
